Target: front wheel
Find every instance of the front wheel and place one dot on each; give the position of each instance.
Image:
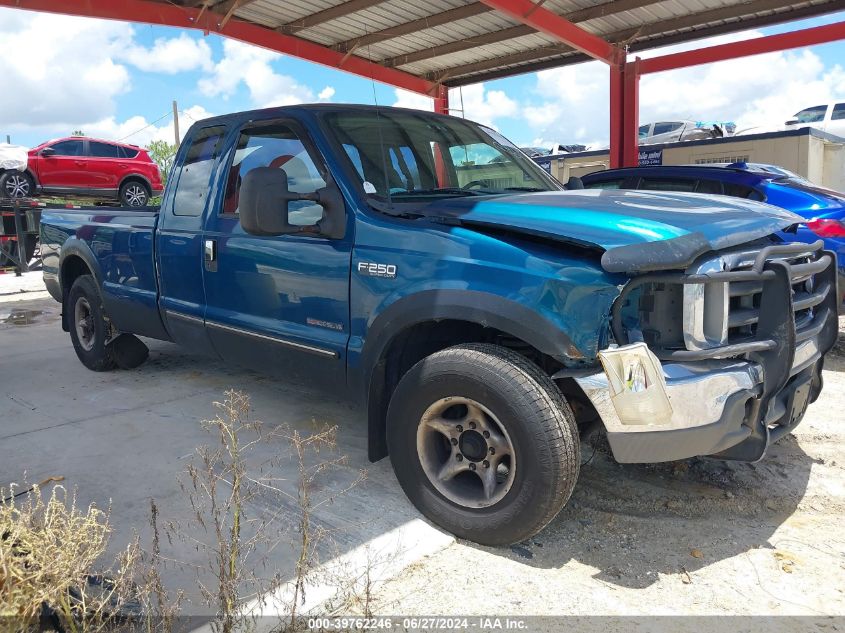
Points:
(483, 443)
(134, 194)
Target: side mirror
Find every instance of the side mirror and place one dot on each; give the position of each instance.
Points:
(574, 182)
(47, 151)
(792, 122)
(264, 200)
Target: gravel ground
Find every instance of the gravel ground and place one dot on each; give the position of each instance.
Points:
(698, 537)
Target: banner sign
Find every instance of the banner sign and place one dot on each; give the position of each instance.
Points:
(651, 157)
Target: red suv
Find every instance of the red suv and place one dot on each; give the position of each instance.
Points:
(86, 167)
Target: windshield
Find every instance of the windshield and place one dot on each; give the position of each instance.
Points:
(413, 157)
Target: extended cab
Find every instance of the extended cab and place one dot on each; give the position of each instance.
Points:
(482, 313)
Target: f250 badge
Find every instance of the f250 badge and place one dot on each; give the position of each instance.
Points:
(371, 269)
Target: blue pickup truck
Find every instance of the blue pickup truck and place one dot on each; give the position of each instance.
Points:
(482, 314)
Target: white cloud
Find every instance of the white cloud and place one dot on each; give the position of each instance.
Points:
(59, 70)
(326, 93)
(571, 104)
(251, 65)
(72, 70)
(170, 55)
(414, 100)
(478, 103)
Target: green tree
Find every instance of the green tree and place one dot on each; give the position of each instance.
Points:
(162, 154)
(77, 133)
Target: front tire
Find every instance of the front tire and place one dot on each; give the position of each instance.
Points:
(483, 443)
(134, 194)
(16, 184)
(89, 330)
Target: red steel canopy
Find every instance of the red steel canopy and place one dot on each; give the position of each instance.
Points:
(428, 46)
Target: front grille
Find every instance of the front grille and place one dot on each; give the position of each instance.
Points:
(734, 303)
(807, 293)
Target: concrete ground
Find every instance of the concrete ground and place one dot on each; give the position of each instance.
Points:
(121, 438)
(692, 537)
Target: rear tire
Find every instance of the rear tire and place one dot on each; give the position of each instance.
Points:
(134, 194)
(446, 415)
(89, 330)
(16, 184)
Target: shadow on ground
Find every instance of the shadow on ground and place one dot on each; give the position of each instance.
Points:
(633, 522)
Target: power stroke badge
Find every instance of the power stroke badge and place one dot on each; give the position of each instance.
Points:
(371, 269)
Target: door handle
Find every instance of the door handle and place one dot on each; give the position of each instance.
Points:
(81, 163)
(210, 255)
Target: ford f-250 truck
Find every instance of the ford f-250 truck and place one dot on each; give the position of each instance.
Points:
(481, 312)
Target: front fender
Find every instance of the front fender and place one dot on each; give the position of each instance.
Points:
(481, 308)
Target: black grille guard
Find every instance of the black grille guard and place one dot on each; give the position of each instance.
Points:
(776, 331)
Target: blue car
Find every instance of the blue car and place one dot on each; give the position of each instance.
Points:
(823, 209)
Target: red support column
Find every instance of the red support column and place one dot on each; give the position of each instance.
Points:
(624, 114)
(617, 107)
(441, 100)
(631, 114)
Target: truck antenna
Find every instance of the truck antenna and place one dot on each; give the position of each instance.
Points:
(380, 134)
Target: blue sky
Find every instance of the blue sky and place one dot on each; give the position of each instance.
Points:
(116, 80)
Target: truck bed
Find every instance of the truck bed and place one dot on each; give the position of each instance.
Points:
(117, 244)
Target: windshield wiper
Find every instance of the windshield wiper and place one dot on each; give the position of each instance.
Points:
(451, 191)
(524, 189)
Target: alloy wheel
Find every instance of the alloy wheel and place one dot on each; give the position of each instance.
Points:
(17, 186)
(135, 196)
(466, 452)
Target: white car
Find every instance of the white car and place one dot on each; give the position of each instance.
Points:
(828, 117)
(683, 130)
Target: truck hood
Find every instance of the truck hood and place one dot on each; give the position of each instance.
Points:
(638, 231)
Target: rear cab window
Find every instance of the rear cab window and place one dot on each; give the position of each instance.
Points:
(194, 172)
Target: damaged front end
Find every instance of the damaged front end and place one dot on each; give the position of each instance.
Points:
(721, 359)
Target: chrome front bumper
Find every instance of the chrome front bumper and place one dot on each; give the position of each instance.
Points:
(709, 401)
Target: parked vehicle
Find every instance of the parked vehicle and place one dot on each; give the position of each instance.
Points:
(554, 150)
(482, 313)
(682, 130)
(822, 210)
(828, 117)
(86, 167)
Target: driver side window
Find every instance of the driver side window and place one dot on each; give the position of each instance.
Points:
(280, 147)
(68, 148)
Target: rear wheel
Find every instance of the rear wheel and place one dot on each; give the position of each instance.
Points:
(483, 443)
(16, 184)
(89, 330)
(134, 194)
